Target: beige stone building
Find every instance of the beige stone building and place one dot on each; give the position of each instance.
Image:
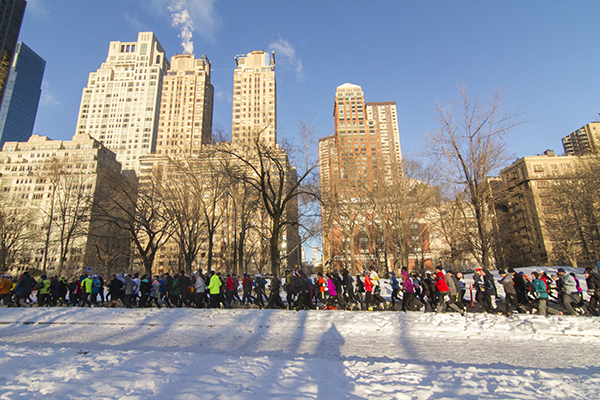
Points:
(235, 214)
(119, 105)
(57, 184)
(186, 108)
(585, 140)
(254, 98)
(216, 202)
(521, 196)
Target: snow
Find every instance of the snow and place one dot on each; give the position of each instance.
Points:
(71, 353)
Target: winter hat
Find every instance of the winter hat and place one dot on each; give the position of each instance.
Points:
(560, 270)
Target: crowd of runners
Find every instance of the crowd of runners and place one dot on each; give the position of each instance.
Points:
(436, 291)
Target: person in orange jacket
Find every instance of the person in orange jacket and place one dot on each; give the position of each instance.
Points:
(5, 288)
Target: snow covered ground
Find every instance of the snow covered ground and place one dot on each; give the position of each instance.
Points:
(69, 353)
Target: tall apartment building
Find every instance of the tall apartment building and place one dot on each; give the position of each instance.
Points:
(585, 140)
(254, 98)
(522, 198)
(186, 111)
(11, 17)
(363, 152)
(365, 148)
(119, 105)
(382, 116)
(21, 96)
(56, 184)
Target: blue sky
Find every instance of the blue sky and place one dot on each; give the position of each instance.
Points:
(544, 53)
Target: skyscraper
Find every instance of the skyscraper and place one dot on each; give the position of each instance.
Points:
(382, 116)
(120, 102)
(254, 98)
(21, 96)
(186, 110)
(365, 148)
(361, 155)
(11, 16)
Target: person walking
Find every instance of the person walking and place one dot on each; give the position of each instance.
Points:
(541, 293)
(395, 289)
(442, 288)
(214, 289)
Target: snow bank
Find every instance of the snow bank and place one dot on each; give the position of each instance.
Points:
(257, 354)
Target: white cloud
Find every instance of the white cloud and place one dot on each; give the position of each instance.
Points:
(202, 14)
(181, 17)
(48, 97)
(286, 54)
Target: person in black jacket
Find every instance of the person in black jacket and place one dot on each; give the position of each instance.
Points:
(26, 284)
(145, 287)
(303, 290)
(54, 291)
(115, 291)
(520, 287)
(593, 283)
(184, 288)
(274, 298)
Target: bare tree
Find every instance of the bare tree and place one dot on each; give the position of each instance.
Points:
(266, 168)
(451, 219)
(138, 207)
(572, 216)
(469, 147)
(15, 230)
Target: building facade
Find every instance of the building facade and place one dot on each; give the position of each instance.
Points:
(57, 185)
(585, 140)
(231, 226)
(522, 197)
(11, 17)
(363, 154)
(119, 106)
(186, 109)
(254, 98)
(21, 96)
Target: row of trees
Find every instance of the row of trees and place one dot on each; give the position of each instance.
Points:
(236, 201)
(452, 193)
(239, 200)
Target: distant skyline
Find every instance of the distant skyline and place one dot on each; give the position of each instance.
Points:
(543, 53)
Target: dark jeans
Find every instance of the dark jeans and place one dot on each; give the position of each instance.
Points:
(395, 297)
(408, 301)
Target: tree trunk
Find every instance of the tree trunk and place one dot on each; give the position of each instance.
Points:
(274, 251)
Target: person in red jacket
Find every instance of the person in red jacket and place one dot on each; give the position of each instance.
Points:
(442, 287)
(229, 289)
(368, 291)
